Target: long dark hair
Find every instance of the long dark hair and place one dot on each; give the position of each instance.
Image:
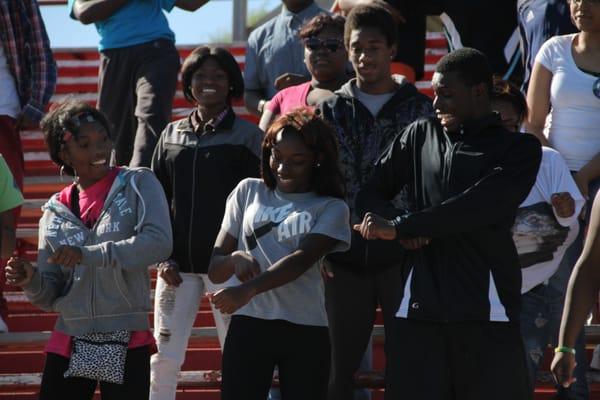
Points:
(318, 136)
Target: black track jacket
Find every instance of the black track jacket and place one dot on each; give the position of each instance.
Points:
(465, 189)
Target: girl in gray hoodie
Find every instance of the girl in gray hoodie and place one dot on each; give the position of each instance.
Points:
(97, 238)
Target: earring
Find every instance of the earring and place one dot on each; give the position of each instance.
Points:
(62, 173)
(318, 164)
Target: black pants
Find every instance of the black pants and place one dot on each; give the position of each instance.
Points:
(136, 384)
(456, 361)
(137, 85)
(254, 347)
(351, 299)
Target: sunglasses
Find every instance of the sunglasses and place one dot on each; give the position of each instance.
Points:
(331, 44)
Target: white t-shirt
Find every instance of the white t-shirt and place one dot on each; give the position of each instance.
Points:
(9, 97)
(270, 225)
(373, 102)
(541, 237)
(573, 126)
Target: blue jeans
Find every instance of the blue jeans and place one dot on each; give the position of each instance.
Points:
(541, 311)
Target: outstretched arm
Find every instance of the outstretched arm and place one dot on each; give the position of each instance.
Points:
(582, 292)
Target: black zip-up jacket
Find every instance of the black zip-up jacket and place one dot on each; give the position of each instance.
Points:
(466, 189)
(362, 139)
(198, 170)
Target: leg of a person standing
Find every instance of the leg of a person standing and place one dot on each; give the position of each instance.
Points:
(487, 361)
(350, 302)
(156, 82)
(249, 357)
(116, 99)
(55, 386)
(417, 367)
(12, 151)
(303, 367)
(536, 329)
(175, 310)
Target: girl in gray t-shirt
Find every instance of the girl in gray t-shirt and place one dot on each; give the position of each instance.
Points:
(274, 233)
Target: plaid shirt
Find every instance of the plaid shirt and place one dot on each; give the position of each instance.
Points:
(28, 53)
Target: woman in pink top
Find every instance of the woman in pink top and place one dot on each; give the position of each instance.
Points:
(326, 60)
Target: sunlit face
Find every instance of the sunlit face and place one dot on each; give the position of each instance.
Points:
(88, 153)
(325, 55)
(210, 84)
(511, 119)
(585, 14)
(292, 162)
(370, 54)
(454, 102)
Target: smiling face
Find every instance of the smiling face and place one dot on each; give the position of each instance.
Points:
(88, 153)
(454, 101)
(210, 85)
(370, 55)
(323, 62)
(292, 162)
(585, 15)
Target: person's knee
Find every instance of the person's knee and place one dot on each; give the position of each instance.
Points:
(164, 369)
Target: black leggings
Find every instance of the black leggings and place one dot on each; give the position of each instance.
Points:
(255, 346)
(136, 384)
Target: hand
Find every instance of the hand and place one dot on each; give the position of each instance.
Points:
(18, 271)
(246, 267)
(288, 79)
(168, 271)
(326, 271)
(375, 227)
(562, 368)
(24, 122)
(67, 256)
(414, 243)
(563, 203)
(230, 299)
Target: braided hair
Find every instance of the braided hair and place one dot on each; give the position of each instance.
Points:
(63, 121)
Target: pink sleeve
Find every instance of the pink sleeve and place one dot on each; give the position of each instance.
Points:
(274, 105)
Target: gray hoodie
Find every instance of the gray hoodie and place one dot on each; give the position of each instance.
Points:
(110, 289)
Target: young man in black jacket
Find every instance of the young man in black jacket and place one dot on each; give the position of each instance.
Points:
(465, 176)
(366, 113)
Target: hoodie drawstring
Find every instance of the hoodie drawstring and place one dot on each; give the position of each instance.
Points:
(137, 191)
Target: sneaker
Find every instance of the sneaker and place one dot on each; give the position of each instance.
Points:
(3, 327)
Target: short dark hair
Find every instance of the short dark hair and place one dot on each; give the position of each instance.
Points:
(317, 135)
(224, 58)
(508, 92)
(317, 24)
(374, 16)
(62, 118)
(471, 65)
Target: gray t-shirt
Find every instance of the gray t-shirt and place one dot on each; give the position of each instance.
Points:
(269, 225)
(373, 102)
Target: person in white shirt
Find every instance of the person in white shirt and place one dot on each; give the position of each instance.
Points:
(545, 226)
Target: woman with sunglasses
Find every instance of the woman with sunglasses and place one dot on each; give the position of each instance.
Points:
(274, 233)
(326, 59)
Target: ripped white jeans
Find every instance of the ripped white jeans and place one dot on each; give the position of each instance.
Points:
(175, 310)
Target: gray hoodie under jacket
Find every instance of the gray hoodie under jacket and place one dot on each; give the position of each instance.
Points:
(110, 289)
